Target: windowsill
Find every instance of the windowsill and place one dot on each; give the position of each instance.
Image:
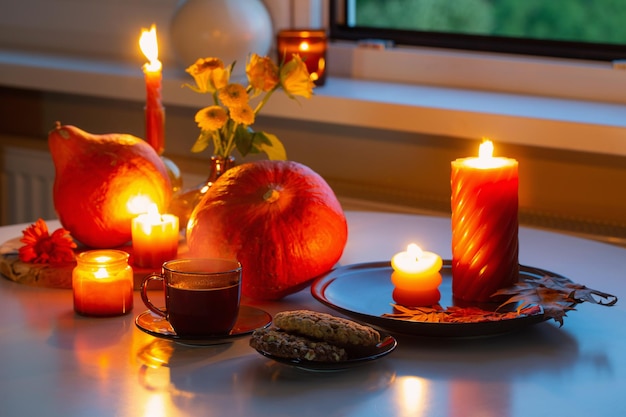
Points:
(512, 118)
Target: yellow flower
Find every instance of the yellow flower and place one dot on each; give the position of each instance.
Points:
(295, 78)
(233, 96)
(262, 73)
(211, 118)
(243, 115)
(227, 123)
(209, 74)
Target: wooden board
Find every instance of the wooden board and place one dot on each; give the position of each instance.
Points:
(57, 276)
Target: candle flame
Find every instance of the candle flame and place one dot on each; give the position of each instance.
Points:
(153, 214)
(102, 259)
(149, 219)
(414, 251)
(486, 149)
(304, 46)
(150, 48)
(140, 204)
(101, 273)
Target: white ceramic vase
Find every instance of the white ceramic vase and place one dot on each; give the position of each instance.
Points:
(225, 29)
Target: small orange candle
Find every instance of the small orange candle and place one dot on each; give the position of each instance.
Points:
(310, 45)
(484, 225)
(416, 277)
(155, 238)
(102, 283)
(155, 113)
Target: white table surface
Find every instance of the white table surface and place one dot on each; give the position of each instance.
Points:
(55, 363)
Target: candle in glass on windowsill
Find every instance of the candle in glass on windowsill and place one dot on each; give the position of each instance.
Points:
(310, 44)
(416, 277)
(102, 283)
(484, 225)
(155, 238)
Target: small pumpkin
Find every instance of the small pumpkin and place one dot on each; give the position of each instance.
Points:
(280, 219)
(102, 182)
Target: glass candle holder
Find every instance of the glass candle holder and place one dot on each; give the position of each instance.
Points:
(102, 283)
(310, 44)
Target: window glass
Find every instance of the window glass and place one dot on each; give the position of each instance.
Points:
(592, 29)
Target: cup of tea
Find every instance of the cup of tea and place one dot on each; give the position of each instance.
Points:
(201, 295)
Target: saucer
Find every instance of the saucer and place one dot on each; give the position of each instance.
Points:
(249, 319)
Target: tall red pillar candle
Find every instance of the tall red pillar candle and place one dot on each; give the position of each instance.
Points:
(310, 45)
(154, 111)
(484, 225)
(102, 283)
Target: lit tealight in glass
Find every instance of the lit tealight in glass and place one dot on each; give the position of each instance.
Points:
(310, 45)
(102, 283)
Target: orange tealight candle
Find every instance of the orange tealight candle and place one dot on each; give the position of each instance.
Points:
(102, 283)
(155, 238)
(416, 277)
(484, 225)
(155, 113)
(310, 45)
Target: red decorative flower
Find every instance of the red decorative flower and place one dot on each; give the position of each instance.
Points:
(40, 247)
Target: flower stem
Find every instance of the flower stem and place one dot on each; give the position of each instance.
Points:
(231, 138)
(262, 102)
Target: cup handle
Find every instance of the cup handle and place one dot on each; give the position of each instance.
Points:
(146, 299)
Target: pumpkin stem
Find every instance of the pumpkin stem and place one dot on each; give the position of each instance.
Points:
(271, 195)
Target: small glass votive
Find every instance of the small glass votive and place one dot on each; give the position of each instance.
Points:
(310, 44)
(102, 283)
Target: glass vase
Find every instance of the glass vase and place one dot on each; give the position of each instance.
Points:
(225, 29)
(186, 200)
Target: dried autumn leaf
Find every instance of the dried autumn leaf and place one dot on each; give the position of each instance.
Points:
(551, 296)
(455, 314)
(556, 295)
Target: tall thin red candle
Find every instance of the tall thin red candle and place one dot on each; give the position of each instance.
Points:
(484, 225)
(155, 112)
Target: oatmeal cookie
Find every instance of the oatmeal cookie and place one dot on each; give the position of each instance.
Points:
(325, 327)
(285, 345)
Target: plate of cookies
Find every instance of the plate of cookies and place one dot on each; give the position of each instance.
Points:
(318, 341)
(363, 292)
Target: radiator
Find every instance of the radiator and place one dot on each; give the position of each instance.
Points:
(26, 185)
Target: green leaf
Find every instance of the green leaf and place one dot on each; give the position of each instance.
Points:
(271, 145)
(193, 88)
(244, 140)
(202, 142)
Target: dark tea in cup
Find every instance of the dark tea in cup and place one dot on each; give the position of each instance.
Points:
(201, 295)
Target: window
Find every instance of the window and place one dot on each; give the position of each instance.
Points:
(580, 29)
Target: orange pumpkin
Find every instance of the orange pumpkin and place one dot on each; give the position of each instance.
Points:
(102, 182)
(280, 219)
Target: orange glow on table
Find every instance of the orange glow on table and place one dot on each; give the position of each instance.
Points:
(102, 283)
(155, 113)
(416, 277)
(484, 206)
(155, 238)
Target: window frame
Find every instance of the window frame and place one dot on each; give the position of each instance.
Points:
(340, 30)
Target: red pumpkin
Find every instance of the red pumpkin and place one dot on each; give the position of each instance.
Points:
(280, 219)
(97, 180)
